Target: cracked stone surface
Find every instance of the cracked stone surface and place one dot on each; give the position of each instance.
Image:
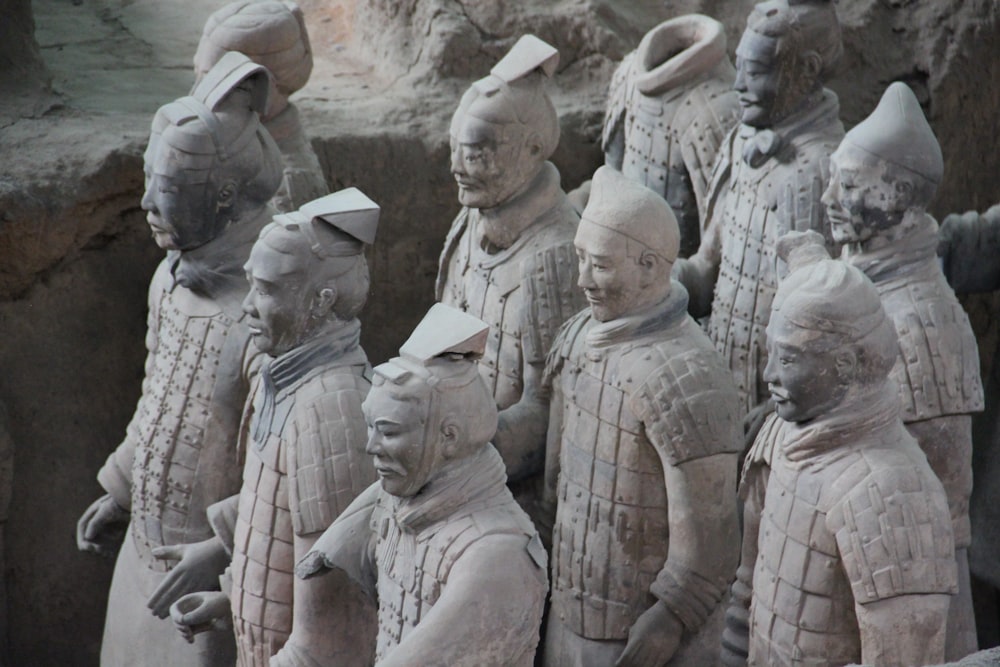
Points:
(75, 254)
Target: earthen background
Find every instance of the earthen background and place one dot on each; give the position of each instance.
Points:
(79, 82)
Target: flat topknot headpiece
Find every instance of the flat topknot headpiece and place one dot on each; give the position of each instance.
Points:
(514, 92)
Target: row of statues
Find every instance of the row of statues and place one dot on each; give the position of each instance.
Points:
(562, 466)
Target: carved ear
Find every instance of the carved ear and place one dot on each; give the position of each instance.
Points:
(904, 192)
(323, 302)
(534, 144)
(650, 263)
(226, 196)
(451, 437)
(812, 65)
(847, 364)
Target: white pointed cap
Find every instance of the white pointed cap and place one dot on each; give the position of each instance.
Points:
(898, 132)
(528, 54)
(349, 210)
(444, 331)
(232, 71)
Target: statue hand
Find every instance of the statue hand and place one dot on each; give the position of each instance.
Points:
(102, 526)
(200, 612)
(653, 638)
(310, 565)
(198, 569)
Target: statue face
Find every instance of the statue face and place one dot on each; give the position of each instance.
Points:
(611, 280)
(768, 85)
(397, 439)
(279, 305)
(865, 196)
(802, 374)
(182, 215)
(486, 161)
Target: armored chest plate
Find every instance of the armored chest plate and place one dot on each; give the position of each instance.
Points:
(178, 407)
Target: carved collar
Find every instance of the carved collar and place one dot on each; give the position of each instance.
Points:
(913, 251)
(851, 427)
(694, 60)
(283, 373)
(217, 266)
(663, 315)
(761, 144)
(466, 486)
(516, 216)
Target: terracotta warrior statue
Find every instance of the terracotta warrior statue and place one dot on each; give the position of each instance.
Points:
(210, 170)
(670, 105)
(508, 258)
(303, 438)
(272, 33)
(847, 553)
(455, 564)
(644, 441)
(968, 248)
(768, 179)
(882, 177)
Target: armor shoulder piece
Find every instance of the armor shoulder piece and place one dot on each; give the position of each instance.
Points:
(893, 531)
(688, 405)
(562, 344)
(457, 536)
(709, 115)
(458, 227)
(616, 109)
(938, 365)
(327, 463)
(551, 297)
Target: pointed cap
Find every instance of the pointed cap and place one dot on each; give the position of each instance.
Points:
(349, 210)
(232, 71)
(527, 55)
(445, 331)
(898, 132)
(625, 206)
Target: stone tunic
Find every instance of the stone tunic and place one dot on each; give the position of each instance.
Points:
(750, 207)
(637, 394)
(304, 439)
(664, 123)
(179, 454)
(407, 551)
(852, 514)
(523, 292)
(937, 370)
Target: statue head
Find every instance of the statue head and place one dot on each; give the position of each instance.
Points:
(307, 270)
(829, 340)
(789, 48)
(209, 162)
(505, 127)
(271, 33)
(626, 243)
(429, 408)
(888, 164)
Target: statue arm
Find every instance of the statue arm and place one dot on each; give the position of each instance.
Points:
(521, 428)
(333, 619)
(551, 297)
(116, 473)
(699, 272)
(893, 532)
(489, 610)
(736, 634)
(903, 630)
(703, 536)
